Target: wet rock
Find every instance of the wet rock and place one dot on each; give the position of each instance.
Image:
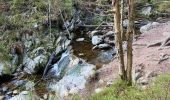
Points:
(26, 95)
(80, 39)
(97, 40)
(6, 97)
(75, 78)
(62, 45)
(106, 56)
(58, 69)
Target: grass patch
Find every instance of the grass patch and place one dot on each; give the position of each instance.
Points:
(120, 91)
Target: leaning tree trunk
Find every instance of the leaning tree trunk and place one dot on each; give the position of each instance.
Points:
(130, 40)
(122, 72)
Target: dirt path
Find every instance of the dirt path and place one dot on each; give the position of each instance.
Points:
(148, 58)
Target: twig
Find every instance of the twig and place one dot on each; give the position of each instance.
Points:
(64, 22)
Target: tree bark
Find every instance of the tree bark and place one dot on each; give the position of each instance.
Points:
(130, 32)
(122, 17)
(116, 5)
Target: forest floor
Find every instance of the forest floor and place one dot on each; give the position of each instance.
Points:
(151, 60)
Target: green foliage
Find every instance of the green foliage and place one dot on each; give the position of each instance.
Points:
(164, 6)
(120, 91)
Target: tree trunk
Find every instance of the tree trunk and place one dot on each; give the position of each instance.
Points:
(122, 17)
(122, 72)
(130, 40)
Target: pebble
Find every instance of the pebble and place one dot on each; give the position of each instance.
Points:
(15, 92)
(9, 93)
(4, 89)
(80, 39)
(98, 90)
(25, 92)
(45, 96)
(109, 83)
(101, 81)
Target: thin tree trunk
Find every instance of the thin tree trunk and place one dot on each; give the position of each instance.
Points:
(130, 40)
(122, 17)
(49, 17)
(122, 72)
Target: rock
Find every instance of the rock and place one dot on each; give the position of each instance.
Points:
(166, 34)
(149, 26)
(26, 95)
(109, 83)
(98, 90)
(73, 91)
(96, 40)
(106, 56)
(75, 78)
(15, 92)
(104, 45)
(30, 86)
(1, 97)
(110, 33)
(81, 54)
(9, 93)
(91, 34)
(59, 68)
(101, 81)
(125, 23)
(18, 82)
(1, 68)
(5, 89)
(33, 65)
(5, 68)
(80, 39)
(45, 96)
(146, 10)
(152, 74)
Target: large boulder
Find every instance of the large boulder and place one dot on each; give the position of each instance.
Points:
(77, 72)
